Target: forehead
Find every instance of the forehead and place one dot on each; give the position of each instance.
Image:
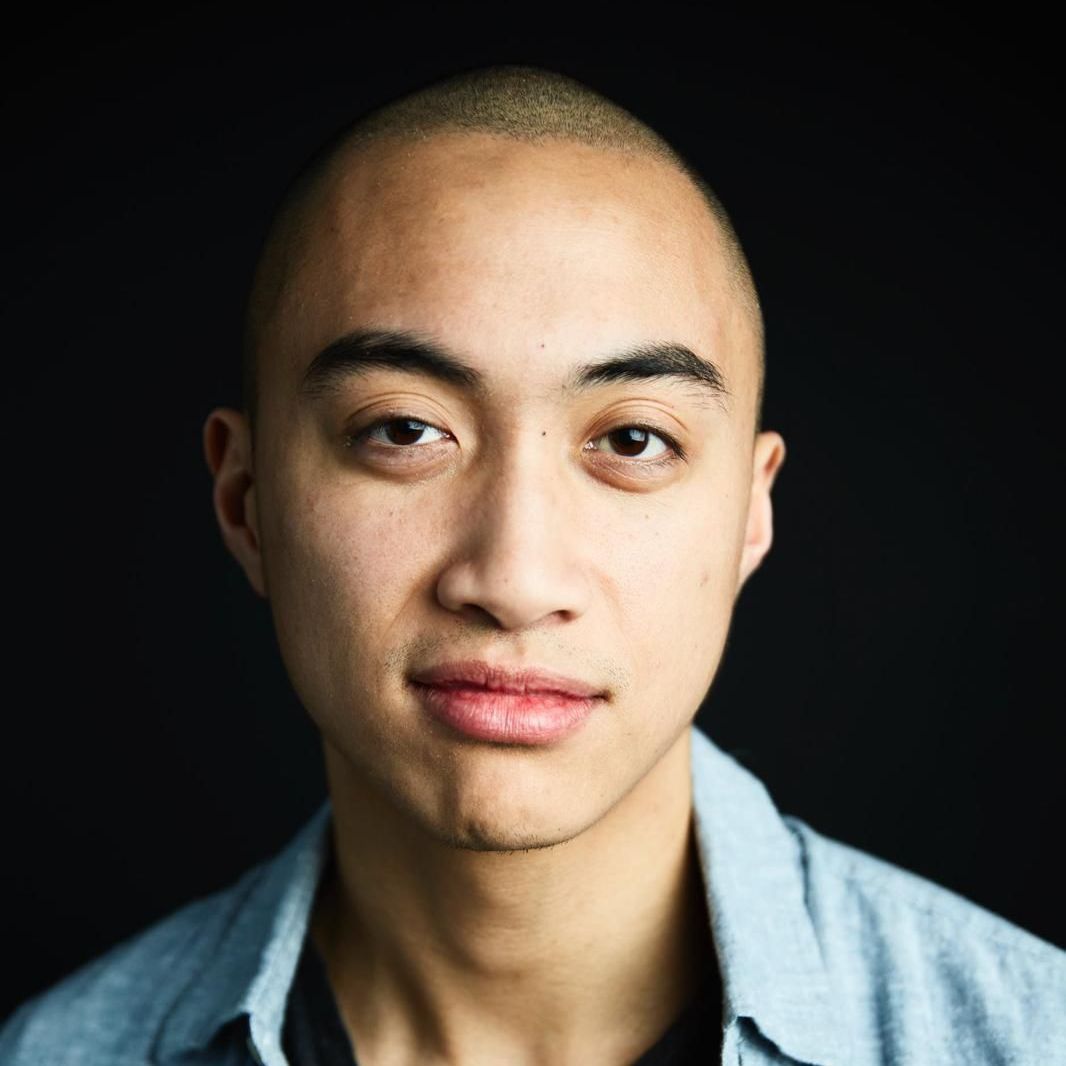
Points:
(504, 249)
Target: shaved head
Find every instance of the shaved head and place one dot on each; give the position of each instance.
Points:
(517, 102)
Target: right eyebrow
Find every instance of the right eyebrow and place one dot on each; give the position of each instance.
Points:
(364, 350)
(361, 351)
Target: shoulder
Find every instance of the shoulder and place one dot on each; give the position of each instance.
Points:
(920, 965)
(111, 1008)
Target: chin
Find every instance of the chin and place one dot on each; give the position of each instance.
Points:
(480, 835)
(491, 821)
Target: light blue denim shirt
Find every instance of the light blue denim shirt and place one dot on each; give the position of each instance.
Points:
(827, 955)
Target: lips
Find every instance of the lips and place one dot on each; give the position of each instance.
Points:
(475, 673)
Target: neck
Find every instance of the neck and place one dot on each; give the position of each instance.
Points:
(584, 951)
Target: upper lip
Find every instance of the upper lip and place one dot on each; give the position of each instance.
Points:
(499, 678)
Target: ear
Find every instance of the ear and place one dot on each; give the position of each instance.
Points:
(759, 534)
(228, 450)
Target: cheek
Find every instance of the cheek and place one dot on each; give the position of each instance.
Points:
(341, 565)
(679, 599)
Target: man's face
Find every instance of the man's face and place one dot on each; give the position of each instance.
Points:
(516, 524)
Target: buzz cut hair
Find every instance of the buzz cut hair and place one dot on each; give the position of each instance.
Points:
(525, 103)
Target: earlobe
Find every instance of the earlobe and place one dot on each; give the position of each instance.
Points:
(759, 532)
(227, 449)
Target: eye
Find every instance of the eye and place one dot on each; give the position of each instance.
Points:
(631, 441)
(400, 433)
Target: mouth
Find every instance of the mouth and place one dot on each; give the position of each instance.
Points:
(506, 706)
(520, 681)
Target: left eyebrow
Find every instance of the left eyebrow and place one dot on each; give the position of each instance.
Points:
(362, 351)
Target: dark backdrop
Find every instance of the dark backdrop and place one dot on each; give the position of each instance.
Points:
(894, 672)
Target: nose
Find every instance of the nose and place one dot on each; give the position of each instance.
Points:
(519, 554)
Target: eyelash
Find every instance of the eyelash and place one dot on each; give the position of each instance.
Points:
(679, 454)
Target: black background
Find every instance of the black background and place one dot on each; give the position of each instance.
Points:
(894, 670)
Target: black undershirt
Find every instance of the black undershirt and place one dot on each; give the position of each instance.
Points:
(314, 1034)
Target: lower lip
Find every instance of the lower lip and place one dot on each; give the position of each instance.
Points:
(507, 718)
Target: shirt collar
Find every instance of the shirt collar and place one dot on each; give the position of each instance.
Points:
(771, 966)
(250, 949)
(753, 872)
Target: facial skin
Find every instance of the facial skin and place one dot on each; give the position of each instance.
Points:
(513, 530)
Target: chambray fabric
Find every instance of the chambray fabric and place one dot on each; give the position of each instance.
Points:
(828, 955)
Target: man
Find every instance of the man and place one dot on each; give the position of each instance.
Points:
(501, 476)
